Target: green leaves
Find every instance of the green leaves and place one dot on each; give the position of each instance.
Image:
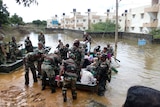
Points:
(155, 33)
(4, 14)
(27, 3)
(107, 26)
(16, 20)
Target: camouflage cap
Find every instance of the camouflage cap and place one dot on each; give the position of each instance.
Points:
(71, 55)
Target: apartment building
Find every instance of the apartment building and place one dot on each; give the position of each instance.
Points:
(136, 20)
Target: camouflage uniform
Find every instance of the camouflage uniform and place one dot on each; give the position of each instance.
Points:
(79, 57)
(103, 74)
(40, 49)
(70, 77)
(63, 52)
(41, 38)
(49, 66)
(2, 51)
(28, 45)
(28, 61)
(13, 50)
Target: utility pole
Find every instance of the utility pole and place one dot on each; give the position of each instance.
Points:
(107, 14)
(63, 20)
(125, 13)
(74, 13)
(89, 20)
(116, 31)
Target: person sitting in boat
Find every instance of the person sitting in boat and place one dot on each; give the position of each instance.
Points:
(97, 49)
(3, 53)
(110, 50)
(28, 45)
(103, 74)
(64, 52)
(87, 77)
(93, 66)
(88, 59)
(28, 62)
(13, 49)
(106, 52)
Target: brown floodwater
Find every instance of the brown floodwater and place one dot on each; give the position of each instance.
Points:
(139, 65)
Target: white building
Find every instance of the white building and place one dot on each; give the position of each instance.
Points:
(137, 20)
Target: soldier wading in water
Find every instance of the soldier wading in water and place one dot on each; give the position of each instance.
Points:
(69, 70)
(49, 67)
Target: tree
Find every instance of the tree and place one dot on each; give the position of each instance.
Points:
(36, 22)
(39, 22)
(26, 3)
(155, 33)
(16, 20)
(4, 14)
(107, 26)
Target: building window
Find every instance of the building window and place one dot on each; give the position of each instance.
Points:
(94, 21)
(120, 20)
(84, 28)
(142, 15)
(84, 20)
(77, 20)
(141, 29)
(100, 20)
(132, 28)
(79, 28)
(133, 16)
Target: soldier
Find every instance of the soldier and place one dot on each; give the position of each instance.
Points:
(60, 45)
(69, 70)
(40, 60)
(64, 52)
(103, 74)
(41, 38)
(79, 55)
(3, 53)
(28, 45)
(49, 67)
(28, 61)
(13, 49)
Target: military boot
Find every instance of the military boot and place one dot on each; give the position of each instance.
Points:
(43, 87)
(53, 90)
(74, 95)
(64, 96)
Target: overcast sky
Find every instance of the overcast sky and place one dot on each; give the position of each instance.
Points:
(46, 9)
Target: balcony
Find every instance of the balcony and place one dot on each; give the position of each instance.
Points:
(154, 8)
(151, 24)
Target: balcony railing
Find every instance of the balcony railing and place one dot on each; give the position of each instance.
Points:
(151, 24)
(154, 8)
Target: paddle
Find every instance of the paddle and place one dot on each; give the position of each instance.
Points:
(114, 69)
(116, 59)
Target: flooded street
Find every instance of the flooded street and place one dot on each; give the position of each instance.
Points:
(139, 65)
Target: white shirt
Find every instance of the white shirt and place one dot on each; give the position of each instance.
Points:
(87, 77)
